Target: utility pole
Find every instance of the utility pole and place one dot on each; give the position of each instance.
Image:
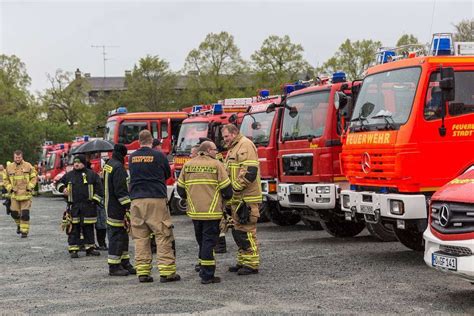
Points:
(104, 54)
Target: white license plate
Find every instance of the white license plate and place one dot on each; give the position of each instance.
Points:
(450, 263)
(367, 209)
(296, 189)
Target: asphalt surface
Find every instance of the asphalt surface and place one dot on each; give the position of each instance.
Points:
(302, 272)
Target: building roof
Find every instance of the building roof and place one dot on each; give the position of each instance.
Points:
(106, 84)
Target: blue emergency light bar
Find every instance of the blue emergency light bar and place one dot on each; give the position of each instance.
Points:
(217, 109)
(441, 45)
(339, 76)
(288, 88)
(264, 93)
(385, 56)
(196, 108)
(85, 138)
(122, 110)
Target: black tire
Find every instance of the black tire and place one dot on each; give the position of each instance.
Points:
(381, 232)
(282, 218)
(177, 206)
(264, 213)
(410, 239)
(338, 227)
(314, 225)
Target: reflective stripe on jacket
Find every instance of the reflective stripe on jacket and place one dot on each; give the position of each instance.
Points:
(244, 172)
(204, 179)
(20, 180)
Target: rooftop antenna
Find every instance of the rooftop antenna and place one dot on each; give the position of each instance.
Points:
(104, 53)
(432, 17)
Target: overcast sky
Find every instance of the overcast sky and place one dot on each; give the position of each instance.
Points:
(48, 35)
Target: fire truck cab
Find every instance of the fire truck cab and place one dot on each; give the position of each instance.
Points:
(123, 127)
(411, 128)
(55, 163)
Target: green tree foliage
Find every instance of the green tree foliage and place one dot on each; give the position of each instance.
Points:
(213, 69)
(278, 61)
(352, 57)
(150, 86)
(464, 31)
(407, 39)
(66, 101)
(14, 82)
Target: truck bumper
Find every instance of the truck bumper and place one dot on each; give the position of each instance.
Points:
(379, 205)
(459, 249)
(321, 196)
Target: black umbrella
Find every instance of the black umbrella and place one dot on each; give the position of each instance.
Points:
(94, 146)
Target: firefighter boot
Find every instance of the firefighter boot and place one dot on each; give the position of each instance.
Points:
(128, 266)
(145, 279)
(117, 270)
(74, 254)
(247, 271)
(210, 281)
(18, 229)
(221, 246)
(170, 278)
(101, 235)
(24, 235)
(235, 268)
(92, 252)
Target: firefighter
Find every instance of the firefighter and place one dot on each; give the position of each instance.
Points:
(149, 170)
(117, 205)
(20, 182)
(204, 183)
(243, 168)
(83, 189)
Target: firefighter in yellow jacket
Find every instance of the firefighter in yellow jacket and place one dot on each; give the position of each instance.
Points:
(243, 168)
(20, 182)
(204, 183)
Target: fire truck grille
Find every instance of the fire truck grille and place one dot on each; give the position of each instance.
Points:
(371, 165)
(298, 165)
(452, 218)
(456, 251)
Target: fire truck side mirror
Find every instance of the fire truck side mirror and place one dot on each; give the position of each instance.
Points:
(270, 108)
(233, 118)
(447, 83)
(293, 111)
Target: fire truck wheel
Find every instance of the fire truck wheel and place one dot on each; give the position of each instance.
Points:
(264, 213)
(177, 206)
(314, 225)
(339, 227)
(381, 232)
(282, 217)
(410, 239)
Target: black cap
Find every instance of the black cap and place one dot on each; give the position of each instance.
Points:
(156, 142)
(120, 149)
(81, 158)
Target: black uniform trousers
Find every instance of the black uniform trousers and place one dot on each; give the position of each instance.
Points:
(207, 235)
(74, 238)
(118, 245)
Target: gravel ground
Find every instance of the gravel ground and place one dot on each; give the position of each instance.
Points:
(302, 272)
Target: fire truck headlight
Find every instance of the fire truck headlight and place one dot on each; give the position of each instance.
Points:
(264, 187)
(323, 190)
(345, 201)
(397, 207)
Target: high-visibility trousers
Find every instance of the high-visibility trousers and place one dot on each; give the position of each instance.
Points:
(151, 215)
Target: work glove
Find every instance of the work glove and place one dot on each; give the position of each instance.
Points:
(66, 225)
(243, 213)
(126, 222)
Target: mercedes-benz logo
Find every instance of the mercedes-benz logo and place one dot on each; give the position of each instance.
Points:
(366, 162)
(444, 215)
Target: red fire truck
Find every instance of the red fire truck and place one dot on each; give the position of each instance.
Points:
(410, 133)
(55, 163)
(262, 128)
(205, 121)
(123, 127)
(310, 179)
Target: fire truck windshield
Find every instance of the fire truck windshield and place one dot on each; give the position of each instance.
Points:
(309, 119)
(257, 127)
(385, 99)
(51, 161)
(110, 130)
(189, 134)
